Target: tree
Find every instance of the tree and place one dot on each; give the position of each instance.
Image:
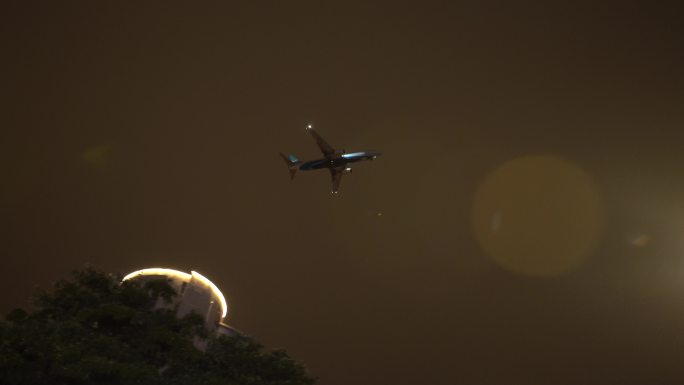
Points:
(93, 329)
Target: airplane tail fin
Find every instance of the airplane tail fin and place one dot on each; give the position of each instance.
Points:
(292, 163)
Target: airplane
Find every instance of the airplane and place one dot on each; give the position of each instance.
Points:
(336, 161)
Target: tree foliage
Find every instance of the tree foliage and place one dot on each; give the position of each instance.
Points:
(93, 329)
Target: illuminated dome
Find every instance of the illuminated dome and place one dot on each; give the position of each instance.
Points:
(196, 293)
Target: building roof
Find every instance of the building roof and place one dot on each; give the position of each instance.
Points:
(183, 277)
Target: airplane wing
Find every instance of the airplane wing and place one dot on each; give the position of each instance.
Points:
(336, 176)
(326, 149)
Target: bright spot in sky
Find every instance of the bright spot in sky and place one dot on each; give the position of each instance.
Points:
(641, 240)
(96, 154)
(537, 215)
(496, 221)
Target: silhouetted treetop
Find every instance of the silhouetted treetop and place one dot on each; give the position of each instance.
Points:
(94, 329)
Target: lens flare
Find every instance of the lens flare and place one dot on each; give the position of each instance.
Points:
(537, 215)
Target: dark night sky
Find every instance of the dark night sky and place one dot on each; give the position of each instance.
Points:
(531, 185)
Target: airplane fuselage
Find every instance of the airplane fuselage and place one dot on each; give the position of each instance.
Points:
(338, 161)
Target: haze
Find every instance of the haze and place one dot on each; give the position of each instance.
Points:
(523, 226)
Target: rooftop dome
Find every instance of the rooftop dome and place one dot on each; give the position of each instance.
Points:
(194, 278)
